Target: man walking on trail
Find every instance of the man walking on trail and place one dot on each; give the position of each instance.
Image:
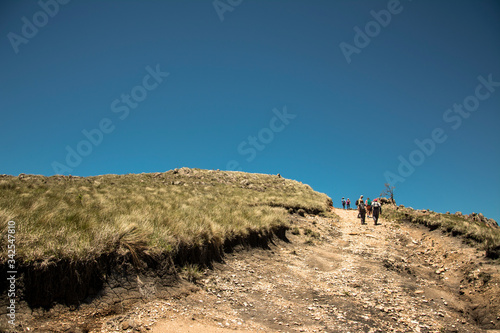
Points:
(361, 210)
(377, 209)
(343, 203)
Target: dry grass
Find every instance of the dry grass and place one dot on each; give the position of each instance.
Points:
(80, 218)
(477, 233)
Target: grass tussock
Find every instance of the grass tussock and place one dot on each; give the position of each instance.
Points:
(482, 235)
(81, 218)
(192, 272)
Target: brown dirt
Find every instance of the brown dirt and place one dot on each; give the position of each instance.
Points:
(334, 276)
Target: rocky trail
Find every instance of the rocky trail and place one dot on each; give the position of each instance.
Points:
(331, 276)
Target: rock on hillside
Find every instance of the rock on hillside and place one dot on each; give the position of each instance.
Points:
(474, 217)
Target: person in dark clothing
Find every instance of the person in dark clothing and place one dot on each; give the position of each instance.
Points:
(343, 203)
(361, 210)
(348, 203)
(377, 209)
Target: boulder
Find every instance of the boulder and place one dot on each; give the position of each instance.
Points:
(385, 201)
(184, 171)
(492, 223)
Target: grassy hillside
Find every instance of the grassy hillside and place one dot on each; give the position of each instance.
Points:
(475, 229)
(79, 218)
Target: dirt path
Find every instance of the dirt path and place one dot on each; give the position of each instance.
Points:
(333, 276)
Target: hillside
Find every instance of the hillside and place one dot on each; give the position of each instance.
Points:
(330, 274)
(475, 229)
(77, 237)
(213, 251)
(65, 217)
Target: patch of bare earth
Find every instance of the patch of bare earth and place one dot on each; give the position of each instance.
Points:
(332, 276)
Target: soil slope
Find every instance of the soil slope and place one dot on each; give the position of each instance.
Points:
(331, 276)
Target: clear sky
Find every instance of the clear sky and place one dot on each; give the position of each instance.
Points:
(342, 95)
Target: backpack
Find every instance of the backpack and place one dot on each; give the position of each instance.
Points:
(361, 205)
(376, 207)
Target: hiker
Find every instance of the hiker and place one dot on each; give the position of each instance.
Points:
(343, 203)
(377, 209)
(361, 210)
(348, 203)
(368, 207)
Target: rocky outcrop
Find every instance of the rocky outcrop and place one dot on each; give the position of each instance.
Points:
(475, 217)
(386, 201)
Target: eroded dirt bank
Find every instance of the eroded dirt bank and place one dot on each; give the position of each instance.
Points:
(332, 276)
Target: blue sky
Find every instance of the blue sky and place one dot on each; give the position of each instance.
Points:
(330, 93)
